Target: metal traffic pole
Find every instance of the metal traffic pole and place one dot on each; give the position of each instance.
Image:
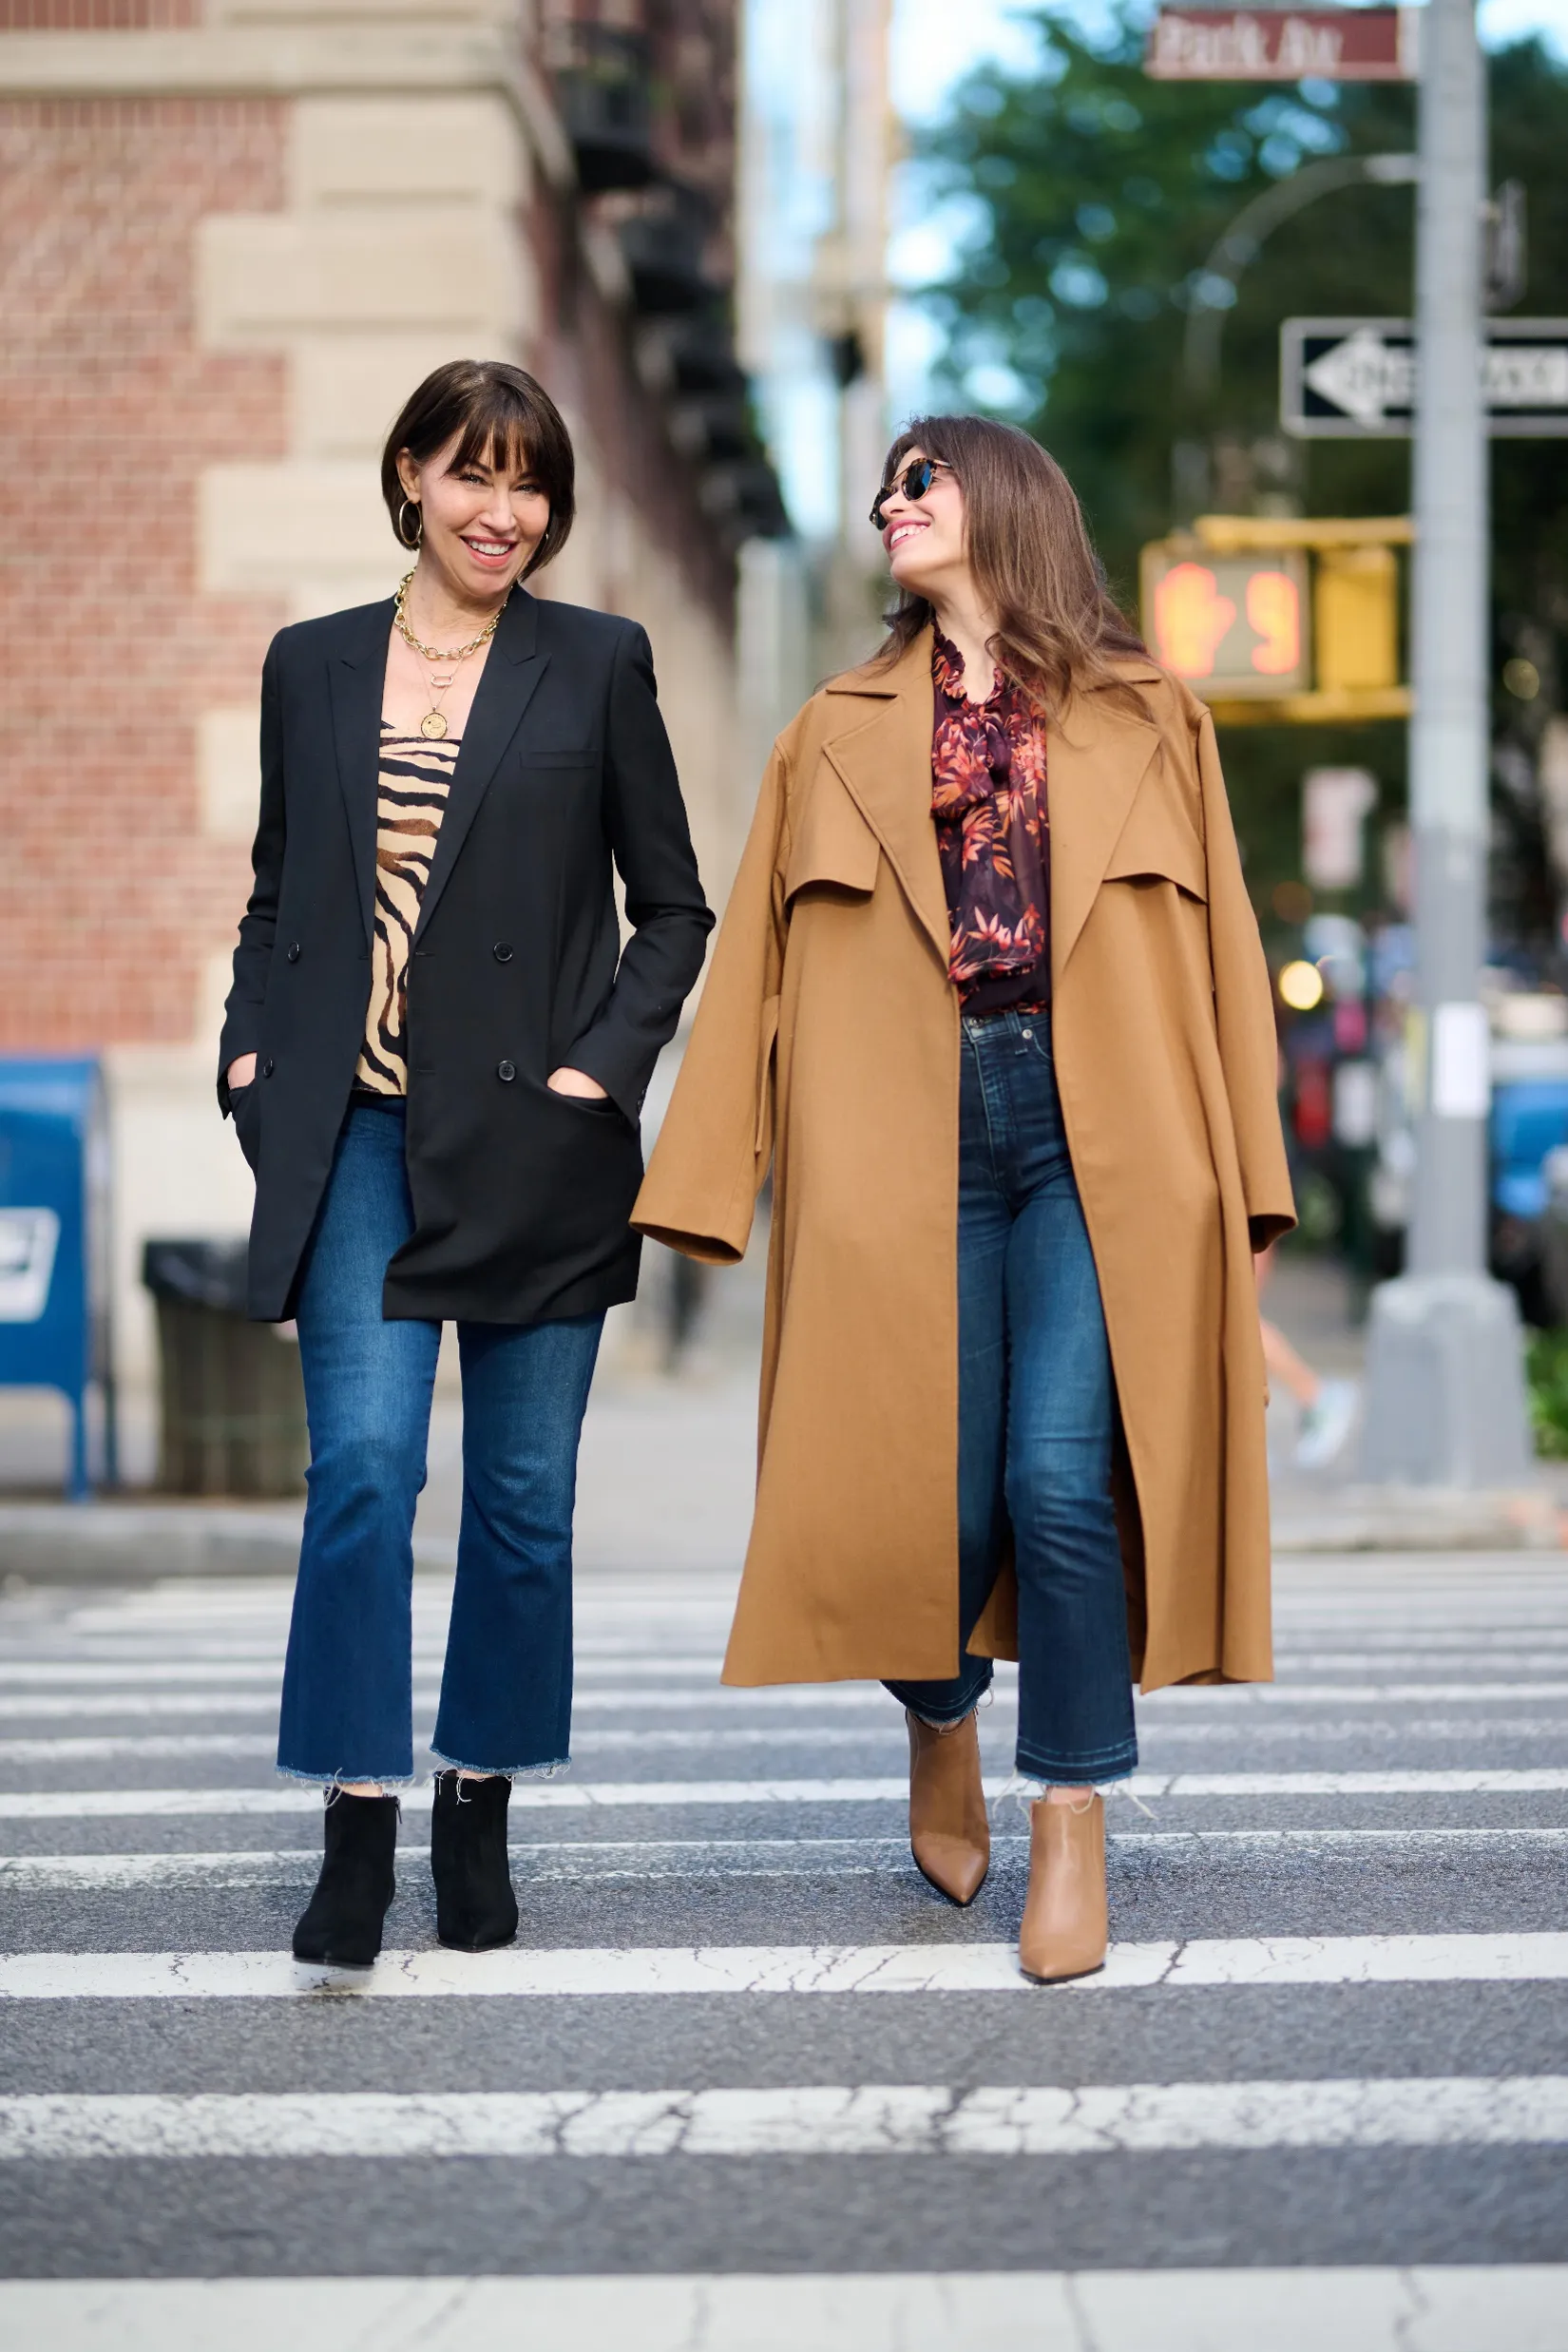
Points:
(1444, 1384)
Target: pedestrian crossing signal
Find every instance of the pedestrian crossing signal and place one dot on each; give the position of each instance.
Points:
(1230, 626)
(1289, 620)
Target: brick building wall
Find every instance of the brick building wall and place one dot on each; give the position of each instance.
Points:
(233, 235)
(113, 894)
(96, 15)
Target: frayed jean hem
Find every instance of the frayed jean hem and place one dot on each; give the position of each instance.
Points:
(944, 1723)
(1081, 1772)
(940, 1723)
(501, 1772)
(339, 1780)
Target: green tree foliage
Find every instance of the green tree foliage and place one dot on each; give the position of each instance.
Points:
(1093, 199)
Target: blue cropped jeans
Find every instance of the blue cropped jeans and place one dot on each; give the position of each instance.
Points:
(1036, 1418)
(506, 1685)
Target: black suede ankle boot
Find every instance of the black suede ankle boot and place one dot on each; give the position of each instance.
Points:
(475, 1908)
(343, 1919)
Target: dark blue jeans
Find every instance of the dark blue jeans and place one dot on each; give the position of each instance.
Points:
(1035, 1420)
(506, 1687)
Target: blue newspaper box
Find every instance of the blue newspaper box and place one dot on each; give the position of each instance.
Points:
(54, 1241)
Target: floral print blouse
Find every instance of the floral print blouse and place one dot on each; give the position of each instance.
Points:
(993, 836)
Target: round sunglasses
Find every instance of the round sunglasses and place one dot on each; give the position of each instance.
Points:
(911, 484)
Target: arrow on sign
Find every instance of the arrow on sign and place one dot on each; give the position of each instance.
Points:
(1365, 376)
(1342, 377)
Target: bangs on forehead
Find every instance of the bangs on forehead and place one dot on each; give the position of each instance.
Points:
(494, 435)
(486, 412)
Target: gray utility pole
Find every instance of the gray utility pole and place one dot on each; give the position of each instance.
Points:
(1446, 1397)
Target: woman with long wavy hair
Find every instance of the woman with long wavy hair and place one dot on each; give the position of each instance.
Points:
(990, 1000)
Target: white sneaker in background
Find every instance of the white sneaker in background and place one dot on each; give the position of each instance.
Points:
(1325, 1424)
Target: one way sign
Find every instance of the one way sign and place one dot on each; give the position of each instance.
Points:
(1349, 378)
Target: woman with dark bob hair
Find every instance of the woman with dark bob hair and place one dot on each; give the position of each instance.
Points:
(435, 1053)
(991, 980)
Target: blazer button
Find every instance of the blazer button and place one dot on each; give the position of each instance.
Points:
(505, 1072)
(267, 1067)
(291, 953)
(502, 951)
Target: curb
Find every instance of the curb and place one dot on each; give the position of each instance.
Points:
(1426, 1519)
(138, 1543)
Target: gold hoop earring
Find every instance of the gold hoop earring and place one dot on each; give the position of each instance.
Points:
(418, 538)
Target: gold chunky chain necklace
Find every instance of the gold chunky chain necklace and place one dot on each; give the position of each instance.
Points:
(433, 725)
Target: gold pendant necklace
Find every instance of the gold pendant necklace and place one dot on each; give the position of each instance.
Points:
(433, 725)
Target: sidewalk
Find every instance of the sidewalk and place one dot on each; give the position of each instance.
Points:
(1310, 1298)
(668, 1460)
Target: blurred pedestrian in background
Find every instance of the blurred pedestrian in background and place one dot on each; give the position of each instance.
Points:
(435, 1053)
(1327, 1407)
(990, 975)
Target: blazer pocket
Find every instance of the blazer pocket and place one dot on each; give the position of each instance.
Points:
(244, 1106)
(1157, 845)
(557, 755)
(597, 1107)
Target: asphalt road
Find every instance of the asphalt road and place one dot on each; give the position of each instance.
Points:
(746, 2082)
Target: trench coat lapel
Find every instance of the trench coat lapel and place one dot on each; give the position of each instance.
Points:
(357, 676)
(505, 689)
(1095, 762)
(884, 762)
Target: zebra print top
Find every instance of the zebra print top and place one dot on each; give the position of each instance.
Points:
(411, 801)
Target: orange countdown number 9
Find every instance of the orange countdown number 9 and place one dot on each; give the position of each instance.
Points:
(1273, 608)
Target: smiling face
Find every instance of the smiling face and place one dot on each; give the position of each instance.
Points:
(923, 537)
(482, 521)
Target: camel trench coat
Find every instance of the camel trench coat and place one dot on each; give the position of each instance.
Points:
(827, 1043)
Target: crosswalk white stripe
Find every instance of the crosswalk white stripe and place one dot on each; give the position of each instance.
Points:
(1449, 2308)
(656, 1858)
(264, 1668)
(633, 1971)
(694, 1739)
(23, 1674)
(826, 1698)
(1310, 1649)
(93, 1673)
(133, 1706)
(1249, 1694)
(98, 1748)
(1343, 1638)
(872, 2119)
(298, 1797)
(93, 1706)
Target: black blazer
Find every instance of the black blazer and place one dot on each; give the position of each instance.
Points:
(521, 1197)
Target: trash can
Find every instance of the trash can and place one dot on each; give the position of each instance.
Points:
(54, 1216)
(232, 1419)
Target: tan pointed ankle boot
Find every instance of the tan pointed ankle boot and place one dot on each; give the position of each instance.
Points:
(1066, 1930)
(949, 1834)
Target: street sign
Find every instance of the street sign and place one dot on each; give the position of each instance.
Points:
(1356, 378)
(1284, 44)
(1235, 626)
